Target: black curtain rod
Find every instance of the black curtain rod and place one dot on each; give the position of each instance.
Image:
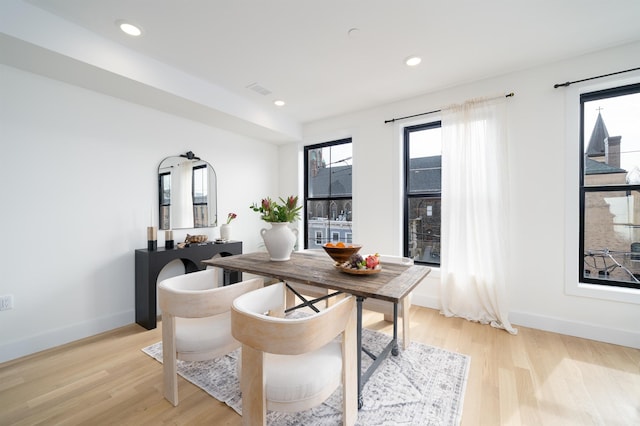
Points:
(411, 116)
(568, 83)
(508, 95)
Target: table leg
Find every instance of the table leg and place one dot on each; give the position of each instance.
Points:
(394, 349)
(359, 300)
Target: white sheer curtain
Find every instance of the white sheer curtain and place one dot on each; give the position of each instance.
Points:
(475, 227)
(182, 195)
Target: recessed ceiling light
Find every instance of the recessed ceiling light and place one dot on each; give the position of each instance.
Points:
(412, 61)
(129, 28)
(278, 103)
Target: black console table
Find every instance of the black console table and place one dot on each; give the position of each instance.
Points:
(150, 263)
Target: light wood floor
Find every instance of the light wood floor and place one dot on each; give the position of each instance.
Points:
(534, 378)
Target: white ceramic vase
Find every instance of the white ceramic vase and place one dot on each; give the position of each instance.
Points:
(225, 231)
(279, 240)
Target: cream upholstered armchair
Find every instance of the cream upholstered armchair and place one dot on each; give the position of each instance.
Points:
(293, 364)
(196, 321)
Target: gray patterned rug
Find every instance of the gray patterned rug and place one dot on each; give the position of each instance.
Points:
(423, 385)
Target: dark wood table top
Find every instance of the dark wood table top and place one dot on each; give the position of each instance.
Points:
(393, 282)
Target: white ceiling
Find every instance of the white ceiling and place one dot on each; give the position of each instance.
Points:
(199, 56)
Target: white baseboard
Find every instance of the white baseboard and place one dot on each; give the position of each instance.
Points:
(56, 337)
(584, 330)
(425, 301)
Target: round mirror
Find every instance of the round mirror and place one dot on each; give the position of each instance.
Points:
(187, 188)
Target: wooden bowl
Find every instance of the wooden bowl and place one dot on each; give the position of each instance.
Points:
(342, 254)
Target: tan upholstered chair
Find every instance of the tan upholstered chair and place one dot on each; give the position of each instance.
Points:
(293, 364)
(196, 321)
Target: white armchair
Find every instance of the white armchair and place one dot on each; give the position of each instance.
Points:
(293, 364)
(196, 320)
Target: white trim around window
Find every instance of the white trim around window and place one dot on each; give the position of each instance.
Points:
(573, 286)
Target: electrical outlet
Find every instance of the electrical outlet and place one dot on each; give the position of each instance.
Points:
(6, 302)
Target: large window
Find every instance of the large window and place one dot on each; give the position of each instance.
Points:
(610, 187)
(423, 192)
(328, 193)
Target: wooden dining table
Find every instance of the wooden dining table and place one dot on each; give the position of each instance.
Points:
(393, 283)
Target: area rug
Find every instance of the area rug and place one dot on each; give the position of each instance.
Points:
(423, 385)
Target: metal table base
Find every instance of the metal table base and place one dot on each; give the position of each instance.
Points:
(391, 347)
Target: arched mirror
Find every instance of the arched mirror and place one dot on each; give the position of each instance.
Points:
(187, 188)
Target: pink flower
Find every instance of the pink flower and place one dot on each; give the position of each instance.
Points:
(272, 211)
(230, 217)
(292, 202)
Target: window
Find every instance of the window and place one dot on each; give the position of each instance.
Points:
(165, 200)
(328, 197)
(610, 187)
(200, 196)
(423, 192)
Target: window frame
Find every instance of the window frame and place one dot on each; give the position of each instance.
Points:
(572, 285)
(200, 209)
(407, 194)
(165, 202)
(588, 96)
(307, 199)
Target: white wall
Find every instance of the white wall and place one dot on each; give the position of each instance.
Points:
(79, 179)
(538, 161)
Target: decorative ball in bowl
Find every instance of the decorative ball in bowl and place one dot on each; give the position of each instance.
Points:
(341, 252)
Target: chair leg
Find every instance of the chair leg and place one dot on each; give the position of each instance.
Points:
(253, 388)
(169, 367)
(290, 299)
(335, 299)
(350, 373)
